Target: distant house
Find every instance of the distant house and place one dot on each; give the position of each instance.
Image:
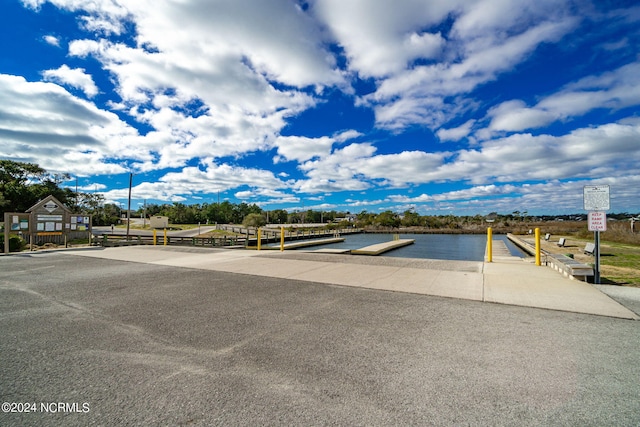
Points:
(348, 218)
(491, 217)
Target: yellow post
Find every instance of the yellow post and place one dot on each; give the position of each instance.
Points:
(165, 237)
(538, 247)
(155, 237)
(259, 239)
(489, 244)
(281, 238)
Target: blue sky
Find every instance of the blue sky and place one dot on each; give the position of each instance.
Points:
(443, 106)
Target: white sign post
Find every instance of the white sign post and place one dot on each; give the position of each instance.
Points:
(596, 200)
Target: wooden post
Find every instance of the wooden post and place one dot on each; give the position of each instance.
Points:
(281, 239)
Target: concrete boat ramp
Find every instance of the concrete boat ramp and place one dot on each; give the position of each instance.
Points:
(507, 280)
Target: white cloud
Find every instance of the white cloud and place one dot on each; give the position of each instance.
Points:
(612, 90)
(43, 123)
(381, 38)
(356, 167)
(244, 29)
(604, 151)
(583, 153)
(243, 112)
(52, 40)
(210, 178)
(104, 16)
(265, 197)
(457, 133)
(301, 149)
(76, 78)
(549, 197)
(347, 135)
(515, 116)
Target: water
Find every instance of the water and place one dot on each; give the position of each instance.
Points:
(462, 247)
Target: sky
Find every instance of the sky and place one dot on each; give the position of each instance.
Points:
(461, 107)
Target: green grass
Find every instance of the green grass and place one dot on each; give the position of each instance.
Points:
(620, 263)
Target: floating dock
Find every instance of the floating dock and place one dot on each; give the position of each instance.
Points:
(306, 243)
(380, 248)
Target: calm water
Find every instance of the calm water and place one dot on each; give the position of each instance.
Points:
(463, 247)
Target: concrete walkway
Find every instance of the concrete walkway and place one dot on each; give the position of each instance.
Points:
(506, 280)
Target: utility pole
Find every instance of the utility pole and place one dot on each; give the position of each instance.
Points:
(129, 205)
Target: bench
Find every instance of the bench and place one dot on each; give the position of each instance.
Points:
(589, 248)
(569, 267)
(562, 241)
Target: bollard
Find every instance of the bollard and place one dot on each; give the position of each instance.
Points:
(259, 239)
(538, 263)
(489, 244)
(165, 237)
(155, 237)
(281, 239)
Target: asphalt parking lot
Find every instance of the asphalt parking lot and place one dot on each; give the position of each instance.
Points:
(125, 343)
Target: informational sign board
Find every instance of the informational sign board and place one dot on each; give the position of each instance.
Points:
(597, 221)
(47, 219)
(596, 198)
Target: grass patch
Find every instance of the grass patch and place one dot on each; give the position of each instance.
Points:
(619, 262)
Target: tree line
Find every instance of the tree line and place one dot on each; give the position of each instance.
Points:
(22, 185)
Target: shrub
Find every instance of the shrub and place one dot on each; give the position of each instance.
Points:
(15, 243)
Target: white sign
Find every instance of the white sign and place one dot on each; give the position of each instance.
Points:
(50, 206)
(597, 221)
(596, 198)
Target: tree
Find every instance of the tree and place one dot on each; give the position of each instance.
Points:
(254, 220)
(225, 212)
(22, 185)
(278, 216)
(365, 218)
(388, 219)
(410, 219)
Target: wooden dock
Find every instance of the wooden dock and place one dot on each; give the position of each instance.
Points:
(380, 248)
